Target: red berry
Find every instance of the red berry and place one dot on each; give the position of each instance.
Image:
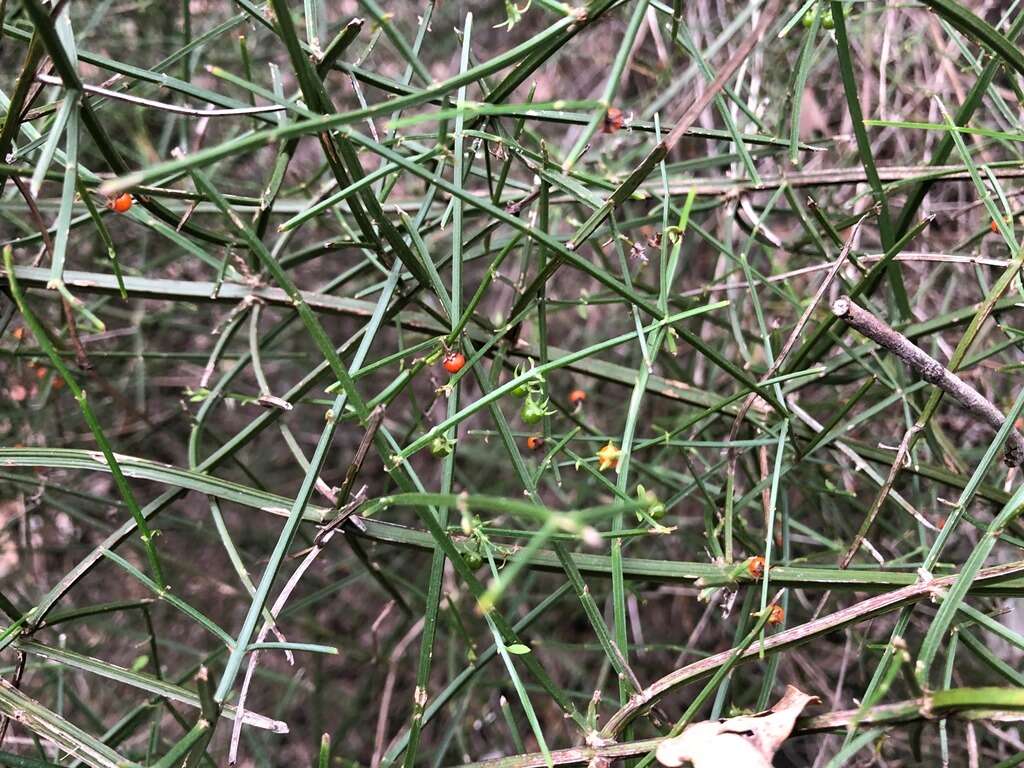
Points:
(453, 361)
(121, 203)
(613, 120)
(577, 396)
(533, 442)
(755, 566)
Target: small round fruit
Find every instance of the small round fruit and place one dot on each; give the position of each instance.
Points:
(441, 446)
(521, 390)
(808, 18)
(533, 442)
(577, 396)
(755, 567)
(778, 615)
(453, 361)
(121, 203)
(827, 21)
(472, 558)
(613, 120)
(533, 410)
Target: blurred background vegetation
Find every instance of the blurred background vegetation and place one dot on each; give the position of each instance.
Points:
(500, 216)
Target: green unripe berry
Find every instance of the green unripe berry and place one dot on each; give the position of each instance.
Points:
(533, 410)
(441, 446)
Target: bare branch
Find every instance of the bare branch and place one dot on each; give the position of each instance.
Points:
(876, 605)
(931, 370)
(162, 105)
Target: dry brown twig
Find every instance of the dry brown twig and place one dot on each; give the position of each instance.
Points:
(931, 370)
(917, 710)
(876, 605)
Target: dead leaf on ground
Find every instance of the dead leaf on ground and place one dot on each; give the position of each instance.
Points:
(747, 741)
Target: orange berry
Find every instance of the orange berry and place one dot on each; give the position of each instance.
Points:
(755, 567)
(577, 396)
(121, 203)
(778, 615)
(19, 333)
(613, 120)
(994, 225)
(453, 361)
(533, 442)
